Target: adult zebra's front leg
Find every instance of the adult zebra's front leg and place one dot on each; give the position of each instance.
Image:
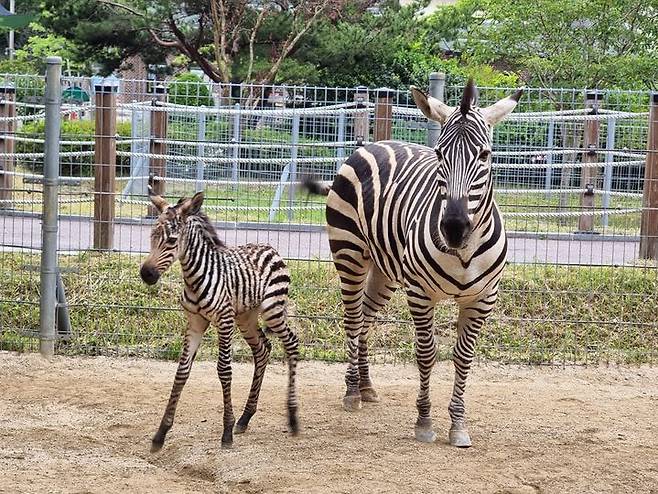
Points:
(472, 315)
(196, 326)
(422, 312)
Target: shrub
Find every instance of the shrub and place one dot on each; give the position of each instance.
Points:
(190, 90)
(71, 130)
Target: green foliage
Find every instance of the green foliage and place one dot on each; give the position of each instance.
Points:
(189, 89)
(75, 130)
(563, 43)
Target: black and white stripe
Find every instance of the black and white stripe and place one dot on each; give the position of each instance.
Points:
(399, 217)
(223, 286)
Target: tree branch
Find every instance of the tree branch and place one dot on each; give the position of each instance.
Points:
(252, 39)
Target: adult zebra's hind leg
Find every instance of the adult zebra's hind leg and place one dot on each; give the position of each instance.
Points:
(196, 326)
(471, 318)
(260, 349)
(276, 319)
(379, 290)
(352, 266)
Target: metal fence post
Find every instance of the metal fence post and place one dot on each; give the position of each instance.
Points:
(201, 138)
(157, 165)
(105, 160)
(293, 164)
(236, 146)
(361, 120)
(7, 143)
(340, 150)
(48, 301)
(384, 114)
(649, 221)
(437, 90)
(607, 176)
(588, 174)
(550, 142)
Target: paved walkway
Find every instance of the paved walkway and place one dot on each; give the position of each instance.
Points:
(75, 235)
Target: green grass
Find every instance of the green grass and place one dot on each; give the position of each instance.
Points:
(545, 314)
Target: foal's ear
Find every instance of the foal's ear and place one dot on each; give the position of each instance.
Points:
(158, 201)
(192, 206)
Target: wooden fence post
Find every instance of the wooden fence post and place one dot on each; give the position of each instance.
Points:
(361, 120)
(105, 160)
(7, 144)
(384, 114)
(158, 166)
(649, 221)
(589, 175)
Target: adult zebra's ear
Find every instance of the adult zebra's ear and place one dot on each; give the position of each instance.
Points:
(431, 107)
(499, 110)
(158, 201)
(192, 206)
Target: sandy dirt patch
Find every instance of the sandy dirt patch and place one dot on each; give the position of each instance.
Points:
(84, 425)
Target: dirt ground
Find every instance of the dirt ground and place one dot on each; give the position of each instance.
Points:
(84, 425)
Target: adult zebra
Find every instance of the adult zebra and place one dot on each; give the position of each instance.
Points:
(223, 285)
(397, 216)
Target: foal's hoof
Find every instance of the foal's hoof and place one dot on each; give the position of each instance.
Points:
(459, 438)
(369, 395)
(157, 442)
(240, 428)
(227, 445)
(352, 403)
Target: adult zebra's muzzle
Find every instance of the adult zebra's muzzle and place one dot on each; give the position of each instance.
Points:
(455, 224)
(149, 274)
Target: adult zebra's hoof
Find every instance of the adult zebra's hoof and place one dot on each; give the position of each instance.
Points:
(240, 428)
(423, 431)
(351, 403)
(459, 438)
(369, 395)
(155, 447)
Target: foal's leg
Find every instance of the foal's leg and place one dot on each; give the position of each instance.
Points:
(224, 334)
(275, 317)
(260, 348)
(379, 290)
(422, 312)
(472, 315)
(196, 326)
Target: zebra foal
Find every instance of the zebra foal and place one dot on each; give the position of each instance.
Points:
(405, 215)
(222, 286)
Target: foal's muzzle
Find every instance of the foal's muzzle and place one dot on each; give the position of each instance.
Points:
(149, 274)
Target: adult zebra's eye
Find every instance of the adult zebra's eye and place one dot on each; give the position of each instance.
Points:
(484, 155)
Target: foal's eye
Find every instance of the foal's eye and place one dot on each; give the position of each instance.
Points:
(171, 240)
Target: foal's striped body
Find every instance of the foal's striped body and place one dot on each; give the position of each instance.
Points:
(223, 285)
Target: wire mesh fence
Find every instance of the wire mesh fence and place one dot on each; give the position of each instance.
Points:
(570, 170)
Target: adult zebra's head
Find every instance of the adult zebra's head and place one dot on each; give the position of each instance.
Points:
(464, 153)
(165, 234)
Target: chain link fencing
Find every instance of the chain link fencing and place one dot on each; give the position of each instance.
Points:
(576, 177)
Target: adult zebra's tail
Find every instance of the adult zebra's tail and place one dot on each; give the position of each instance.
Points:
(316, 187)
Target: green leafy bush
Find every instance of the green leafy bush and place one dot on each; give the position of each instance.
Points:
(71, 130)
(190, 90)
